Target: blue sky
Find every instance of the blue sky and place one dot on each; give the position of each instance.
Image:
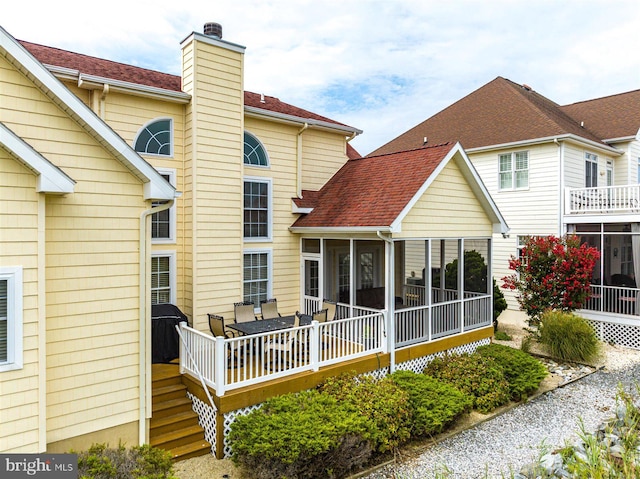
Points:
(381, 66)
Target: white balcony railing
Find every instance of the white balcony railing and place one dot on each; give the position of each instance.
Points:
(601, 200)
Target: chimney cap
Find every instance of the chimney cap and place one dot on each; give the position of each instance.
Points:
(213, 29)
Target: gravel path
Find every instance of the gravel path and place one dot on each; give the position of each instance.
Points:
(509, 441)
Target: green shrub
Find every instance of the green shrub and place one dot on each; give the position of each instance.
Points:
(306, 434)
(523, 372)
(143, 462)
(568, 337)
(435, 404)
(502, 336)
(477, 376)
(382, 402)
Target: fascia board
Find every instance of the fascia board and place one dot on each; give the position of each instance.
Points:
(51, 179)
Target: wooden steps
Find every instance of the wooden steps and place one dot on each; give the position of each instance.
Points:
(174, 425)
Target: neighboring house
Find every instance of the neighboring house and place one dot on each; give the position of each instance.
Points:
(555, 169)
(123, 188)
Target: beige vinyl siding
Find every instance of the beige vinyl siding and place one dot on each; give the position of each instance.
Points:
(19, 223)
(448, 209)
(324, 153)
(215, 125)
(92, 277)
(280, 141)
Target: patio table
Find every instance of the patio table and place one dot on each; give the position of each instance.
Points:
(268, 325)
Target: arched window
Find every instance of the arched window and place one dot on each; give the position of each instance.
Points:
(155, 138)
(254, 153)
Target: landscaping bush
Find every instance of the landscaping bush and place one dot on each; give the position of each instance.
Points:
(523, 372)
(382, 402)
(435, 404)
(479, 377)
(307, 434)
(143, 462)
(568, 337)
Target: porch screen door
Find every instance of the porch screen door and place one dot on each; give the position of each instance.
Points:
(312, 299)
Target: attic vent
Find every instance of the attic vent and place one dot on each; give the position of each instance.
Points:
(262, 98)
(424, 141)
(213, 29)
(526, 87)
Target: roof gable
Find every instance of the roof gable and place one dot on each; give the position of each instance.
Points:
(378, 192)
(155, 186)
(498, 113)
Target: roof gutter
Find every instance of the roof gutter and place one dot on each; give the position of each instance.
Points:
(340, 229)
(94, 82)
(547, 139)
(252, 111)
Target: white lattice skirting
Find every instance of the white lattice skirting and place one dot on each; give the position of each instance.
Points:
(208, 415)
(627, 335)
(207, 419)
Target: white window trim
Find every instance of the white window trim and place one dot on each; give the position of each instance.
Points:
(269, 253)
(171, 172)
(172, 273)
(514, 171)
(13, 276)
(266, 153)
(269, 182)
(143, 127)
(594, 160)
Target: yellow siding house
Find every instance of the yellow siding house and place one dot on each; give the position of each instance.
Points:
(123, 190)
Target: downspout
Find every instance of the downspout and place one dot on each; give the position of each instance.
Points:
(390, 279)
(142, 346)
(299, 160)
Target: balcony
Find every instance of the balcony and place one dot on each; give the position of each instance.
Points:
(602, 200)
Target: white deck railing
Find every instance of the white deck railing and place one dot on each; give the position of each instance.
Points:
(231, 363)
(419, 324)
(605, 199)
(614, 299)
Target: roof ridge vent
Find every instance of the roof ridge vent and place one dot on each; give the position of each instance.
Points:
(213, 29)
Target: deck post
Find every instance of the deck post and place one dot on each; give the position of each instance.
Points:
(219, 365)
(314, 342)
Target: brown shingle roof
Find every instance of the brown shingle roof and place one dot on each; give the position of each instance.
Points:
(128, 73)
(615, 116)
(372, 191)
(102, 68)
(497, 113)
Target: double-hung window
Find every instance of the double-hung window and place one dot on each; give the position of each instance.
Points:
(10, 318)
(163, 223)
(257, 209)
(256, 277)
(163, 277)
(513, 170)
(590, 170)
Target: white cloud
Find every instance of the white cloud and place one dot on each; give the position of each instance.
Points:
(381, 66)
